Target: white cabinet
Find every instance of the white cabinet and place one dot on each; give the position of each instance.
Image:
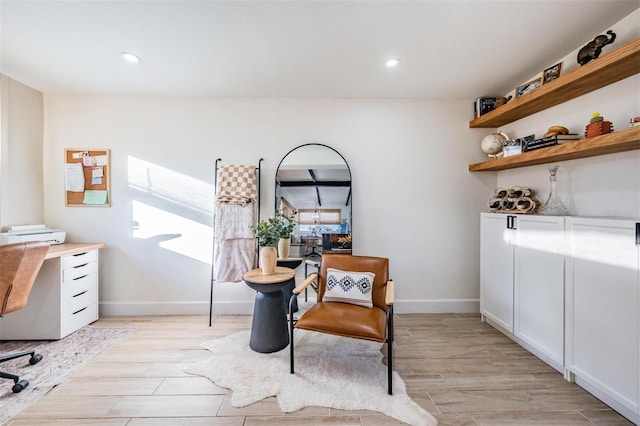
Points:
(522, 281)
(496, 269)
(63, 299)
(602, 310)
(539, 287)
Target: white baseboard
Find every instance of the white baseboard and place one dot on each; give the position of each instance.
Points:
(436, 306)
(109, 309)
(245, 307)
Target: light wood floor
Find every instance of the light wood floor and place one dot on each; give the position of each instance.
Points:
(461, 370)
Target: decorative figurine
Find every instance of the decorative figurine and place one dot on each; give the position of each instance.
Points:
(597, 126)
(503, 100)
(593, 49)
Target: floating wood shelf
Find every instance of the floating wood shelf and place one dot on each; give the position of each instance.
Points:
(624, 140)
(610, 68)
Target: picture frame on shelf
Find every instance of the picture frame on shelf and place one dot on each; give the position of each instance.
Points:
(512, 147)
(551, 73)
(528, 87)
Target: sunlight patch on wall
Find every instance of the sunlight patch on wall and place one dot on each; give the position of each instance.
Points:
(173, 232)
(170, 185)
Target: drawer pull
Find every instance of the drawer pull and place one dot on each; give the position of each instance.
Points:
(78, 311)
(81, 266)
(80, 294)
(81, 277)
(80, 254)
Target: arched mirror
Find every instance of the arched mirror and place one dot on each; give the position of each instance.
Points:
(315, 180)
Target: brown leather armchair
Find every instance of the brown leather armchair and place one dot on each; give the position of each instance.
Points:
(345, 319)
(19, 266)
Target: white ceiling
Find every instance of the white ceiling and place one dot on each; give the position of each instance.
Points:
(449, 49)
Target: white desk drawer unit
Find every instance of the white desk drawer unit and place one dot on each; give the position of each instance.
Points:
(79, 294)
(64, 297)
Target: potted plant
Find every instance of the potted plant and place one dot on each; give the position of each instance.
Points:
(268, 233)
(272, 232)
(287, 225)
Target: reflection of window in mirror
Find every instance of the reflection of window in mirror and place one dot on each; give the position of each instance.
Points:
(318, 229)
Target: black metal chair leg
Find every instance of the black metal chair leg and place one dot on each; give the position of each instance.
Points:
(13, 377)
(291, 332)
(9, 357)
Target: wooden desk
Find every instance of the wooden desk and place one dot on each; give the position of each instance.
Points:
(64, 297)
(269, 325)
(66, 249)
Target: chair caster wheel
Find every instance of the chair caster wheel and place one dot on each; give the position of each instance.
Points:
(36, 358)
(18, 387)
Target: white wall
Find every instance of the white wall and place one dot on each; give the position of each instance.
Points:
(413, 199)
(21, 179)
(599, 186)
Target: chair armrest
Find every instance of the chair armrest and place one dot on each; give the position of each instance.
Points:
(304, 284)
(390, 290)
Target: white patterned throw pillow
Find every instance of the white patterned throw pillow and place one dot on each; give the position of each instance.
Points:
(349, 287)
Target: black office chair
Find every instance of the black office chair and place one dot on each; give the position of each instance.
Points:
(19, 266)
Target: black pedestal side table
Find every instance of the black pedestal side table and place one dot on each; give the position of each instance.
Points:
(269, 331)
(293, 263)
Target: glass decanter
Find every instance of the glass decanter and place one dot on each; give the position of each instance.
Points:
(553, 206)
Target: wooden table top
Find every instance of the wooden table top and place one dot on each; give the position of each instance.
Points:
(58, 250)
(280, 275)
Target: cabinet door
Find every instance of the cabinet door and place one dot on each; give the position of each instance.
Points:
(539, 286)
(602, 320)
(496, 270)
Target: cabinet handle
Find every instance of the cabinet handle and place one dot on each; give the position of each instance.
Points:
(79, 278)
(79, 254)
(80, 266)
(78, 311)
(511, 222)
(80, 294)
(638, 233)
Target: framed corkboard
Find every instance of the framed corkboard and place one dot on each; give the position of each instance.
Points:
(86, 175)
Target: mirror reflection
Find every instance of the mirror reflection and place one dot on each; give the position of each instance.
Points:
(315, 180)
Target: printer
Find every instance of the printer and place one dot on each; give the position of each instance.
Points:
(25, 233)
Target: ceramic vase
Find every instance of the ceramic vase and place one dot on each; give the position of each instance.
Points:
(268, 258)
(284, 248)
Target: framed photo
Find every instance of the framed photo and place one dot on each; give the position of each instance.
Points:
(551, 73)
(528, 87)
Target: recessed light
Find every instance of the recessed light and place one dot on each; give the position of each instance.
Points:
(393, 62)
(130, 57)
